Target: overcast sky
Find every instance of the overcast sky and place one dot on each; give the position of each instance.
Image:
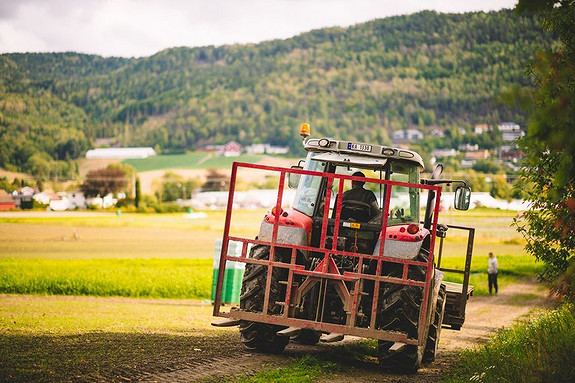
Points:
(143, 27)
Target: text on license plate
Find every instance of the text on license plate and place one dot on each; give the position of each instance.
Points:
(358, 147)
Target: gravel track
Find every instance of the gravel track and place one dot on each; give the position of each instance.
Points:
(485, 315)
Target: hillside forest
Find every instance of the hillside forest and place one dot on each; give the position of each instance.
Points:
(426, 71)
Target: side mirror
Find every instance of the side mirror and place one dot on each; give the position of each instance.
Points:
(293, 178)
(437, 171)
(462, 198)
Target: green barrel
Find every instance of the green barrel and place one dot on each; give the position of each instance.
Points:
(233, 273)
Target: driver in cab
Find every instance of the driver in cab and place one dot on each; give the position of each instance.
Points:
(358, 203)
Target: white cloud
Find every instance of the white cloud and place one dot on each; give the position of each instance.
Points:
(142, 28)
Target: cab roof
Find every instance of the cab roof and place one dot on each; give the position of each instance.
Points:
(360, 154)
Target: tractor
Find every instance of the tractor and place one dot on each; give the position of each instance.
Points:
(332, 265)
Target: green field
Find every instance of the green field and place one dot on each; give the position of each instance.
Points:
(189, 161)
(170, 256)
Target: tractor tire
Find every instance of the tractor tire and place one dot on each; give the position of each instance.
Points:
(407, 360)
(255, 335)
(401, 313)
(398, 310)
(435, 328)
(308, 337)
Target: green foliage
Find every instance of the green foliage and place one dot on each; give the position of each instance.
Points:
(488, 166)
(549, 170)
(425, 70)
(136, 278)
(305, 369)
(101, 182)
(174, 187)
(537, 351)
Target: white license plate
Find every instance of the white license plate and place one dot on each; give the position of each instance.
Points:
(358, 147)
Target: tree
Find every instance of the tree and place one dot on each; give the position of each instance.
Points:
(138, 195)
(104, 181)
(549, 224)
(174, 187)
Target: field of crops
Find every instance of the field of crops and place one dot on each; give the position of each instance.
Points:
(189, 161)
(170, 256)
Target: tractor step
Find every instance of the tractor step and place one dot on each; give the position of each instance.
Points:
(226, 323)
(330, 338)
(397, 347)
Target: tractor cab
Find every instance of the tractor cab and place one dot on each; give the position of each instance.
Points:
(361, 223)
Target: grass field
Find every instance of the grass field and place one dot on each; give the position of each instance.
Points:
(189, 161)
(169, 256)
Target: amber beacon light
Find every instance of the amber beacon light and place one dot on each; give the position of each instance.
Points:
(304, 130)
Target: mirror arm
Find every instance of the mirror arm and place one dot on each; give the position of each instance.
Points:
(438, 182)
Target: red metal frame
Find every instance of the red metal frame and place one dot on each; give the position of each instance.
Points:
(326, 269)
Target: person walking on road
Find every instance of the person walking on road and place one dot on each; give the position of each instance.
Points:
(492, 273)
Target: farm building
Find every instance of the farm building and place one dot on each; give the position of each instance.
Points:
(120, 153)
(6, 201)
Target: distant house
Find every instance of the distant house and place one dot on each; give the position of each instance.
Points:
(6, 201)
(510, 131)
(231, 149)
(24, 197)
(256, 149)
(510, 153)
(443, 153)
(59, 202)
(480, 128)
(76, 200)
(406, 135)
(43, 198)
(477, 155)
(120, 153)
(266, 149)
(277, 149)
(468, 147)
(437, 133)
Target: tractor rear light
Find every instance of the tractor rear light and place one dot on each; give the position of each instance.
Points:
(412, 228)
(402, 229)
(324, 142)
(277, 211)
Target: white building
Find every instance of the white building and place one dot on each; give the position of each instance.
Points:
(407, 135)
(442, 153)
(480, 128)
(510, 131)
(120, 153)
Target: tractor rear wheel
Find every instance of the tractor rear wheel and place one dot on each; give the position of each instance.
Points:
(435, 328)
(407, 360)
(401, 313)
(308, 337)
(398, 310)
(255, 335)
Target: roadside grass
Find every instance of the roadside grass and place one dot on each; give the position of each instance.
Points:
(137, 278)
(540, 350)
(511, 269)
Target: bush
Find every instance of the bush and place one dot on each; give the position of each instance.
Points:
(537, 351)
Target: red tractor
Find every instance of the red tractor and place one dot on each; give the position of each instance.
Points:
(343, 261)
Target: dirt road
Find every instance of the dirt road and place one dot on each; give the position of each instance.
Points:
(226, 358)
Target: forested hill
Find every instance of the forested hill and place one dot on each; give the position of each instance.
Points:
(425, 70)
